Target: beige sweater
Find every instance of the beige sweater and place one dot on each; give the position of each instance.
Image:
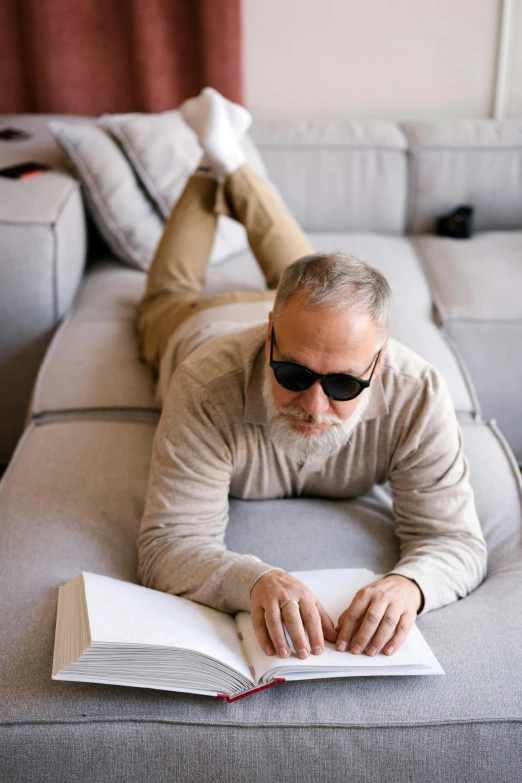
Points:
(211, 443)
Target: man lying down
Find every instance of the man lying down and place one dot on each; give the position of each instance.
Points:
(317, 400)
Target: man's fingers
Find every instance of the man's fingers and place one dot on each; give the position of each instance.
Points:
(261, 631)
(380, 617)
(294, 625)
(314, 619)
(372, 619)
(327, 625)
(274, 624)
(402, 630)
(384, 631)
(353, 617)
(303, 626)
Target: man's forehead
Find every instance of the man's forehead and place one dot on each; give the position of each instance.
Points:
(328, 344)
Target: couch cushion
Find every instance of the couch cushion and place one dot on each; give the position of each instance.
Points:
(475, 279)
(43, 246)
(72, 500)
(477, 285)
(491, 351)
(43, 147)
(42, 231)
(94, 362)
(474, 162)
(344, 175)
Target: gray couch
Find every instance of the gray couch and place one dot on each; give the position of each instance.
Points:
(73, 494)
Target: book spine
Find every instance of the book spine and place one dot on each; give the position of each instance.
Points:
(230, 699)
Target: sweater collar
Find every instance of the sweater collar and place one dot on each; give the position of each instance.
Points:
(255, 408)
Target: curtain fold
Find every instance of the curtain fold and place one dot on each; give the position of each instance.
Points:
(96, 56)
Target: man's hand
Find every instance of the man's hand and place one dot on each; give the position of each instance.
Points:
(267, 595)
(382, 613)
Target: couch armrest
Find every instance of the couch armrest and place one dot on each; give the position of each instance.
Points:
(43, 247)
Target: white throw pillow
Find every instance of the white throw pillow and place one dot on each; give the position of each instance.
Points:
(124, 214)
(164, 152)
(133, 168)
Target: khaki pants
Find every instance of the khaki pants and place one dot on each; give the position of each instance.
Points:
(178, 271)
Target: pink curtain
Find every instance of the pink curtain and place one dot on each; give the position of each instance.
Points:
(95, 56)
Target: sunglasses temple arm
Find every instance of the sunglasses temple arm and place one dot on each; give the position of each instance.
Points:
(374, 366)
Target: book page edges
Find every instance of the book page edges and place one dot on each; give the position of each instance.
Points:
(141, 616)
(72, 632)
(57, 635)
(73, 641)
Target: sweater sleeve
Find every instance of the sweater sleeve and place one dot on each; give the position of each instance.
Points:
(442, 545)
(181, 546)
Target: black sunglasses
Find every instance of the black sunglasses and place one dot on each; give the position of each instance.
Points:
(337, 386)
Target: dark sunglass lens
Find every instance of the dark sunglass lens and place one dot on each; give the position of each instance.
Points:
(294, 378)
(342, 388)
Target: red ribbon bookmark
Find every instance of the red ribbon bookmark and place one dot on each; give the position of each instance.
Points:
(247, 693)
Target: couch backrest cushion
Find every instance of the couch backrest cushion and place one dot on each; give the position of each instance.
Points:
(475, 162)
(339, 175)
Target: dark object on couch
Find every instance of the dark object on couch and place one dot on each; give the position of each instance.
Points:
(14, 134)
(457, 224)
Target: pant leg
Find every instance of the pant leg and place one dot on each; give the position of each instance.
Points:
(178, 270)
(181, 258)
(273, 233)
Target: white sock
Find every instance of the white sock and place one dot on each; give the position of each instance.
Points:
(240, 118)
(214, 120)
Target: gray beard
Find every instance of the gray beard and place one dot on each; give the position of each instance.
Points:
(301, 447)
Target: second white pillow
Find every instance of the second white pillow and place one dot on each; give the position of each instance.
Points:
(164, 152)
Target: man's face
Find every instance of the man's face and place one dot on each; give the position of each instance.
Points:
(325, 342)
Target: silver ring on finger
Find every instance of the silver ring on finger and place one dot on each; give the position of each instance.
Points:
(289, 601)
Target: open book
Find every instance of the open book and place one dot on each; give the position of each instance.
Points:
(111, 631)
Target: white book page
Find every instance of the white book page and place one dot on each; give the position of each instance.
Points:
(122, 613)
(335, 589)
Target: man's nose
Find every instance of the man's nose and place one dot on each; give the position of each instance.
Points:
(314, 401)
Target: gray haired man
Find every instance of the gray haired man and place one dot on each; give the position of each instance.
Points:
(318, 401)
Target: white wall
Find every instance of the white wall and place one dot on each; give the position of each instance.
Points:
(394, 59)
(514, 101)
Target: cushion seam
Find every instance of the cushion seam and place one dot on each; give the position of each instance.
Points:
(73, 186)
(432, 284)
(418, 149)
(492, 425)
(335, 147)
(97, 409)
(127, 415)
(271, 725)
